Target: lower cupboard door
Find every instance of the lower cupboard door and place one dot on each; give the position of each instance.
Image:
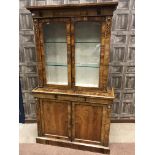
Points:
(55, 118)
(87, 123)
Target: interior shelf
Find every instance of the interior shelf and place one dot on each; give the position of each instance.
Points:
(75, 42)
(87, 42)
(76, 65)
(54, 42)
(88, 65)
(57, 65)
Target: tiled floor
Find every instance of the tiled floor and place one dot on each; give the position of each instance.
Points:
(119, 133)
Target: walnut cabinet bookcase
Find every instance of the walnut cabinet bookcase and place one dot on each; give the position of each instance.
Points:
(73, 102)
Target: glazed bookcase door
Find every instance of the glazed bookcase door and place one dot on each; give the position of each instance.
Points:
(87, 52)
(56, 52)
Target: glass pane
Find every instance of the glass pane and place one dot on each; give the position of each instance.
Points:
(56, 75)
(87, 76)
(87, 54)
(55, 32)
(56, 53)
(87, 32)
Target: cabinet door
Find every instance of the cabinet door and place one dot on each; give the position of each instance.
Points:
(87, 123)
(55, 118)
(88, 52)
(56, 52)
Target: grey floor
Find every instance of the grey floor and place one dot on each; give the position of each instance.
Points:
(40, 149)
(119, 133)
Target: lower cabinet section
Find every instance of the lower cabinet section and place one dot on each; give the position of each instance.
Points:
(80, 125)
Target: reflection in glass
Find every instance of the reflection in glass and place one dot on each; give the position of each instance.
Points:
(56, 53)
(87, 54)
(55, 32)
(56, 74)
(85, 76)
(87, 32)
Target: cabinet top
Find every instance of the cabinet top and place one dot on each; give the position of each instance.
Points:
(106, 95)
(76, 6)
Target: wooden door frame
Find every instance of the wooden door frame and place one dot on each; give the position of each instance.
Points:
(40, 116)
(41, 51)
(104, 52)
(70, 37)
(73, 123)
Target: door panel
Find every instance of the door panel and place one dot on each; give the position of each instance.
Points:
(87, 53)
(88, 122)
(55, 118)
(55, 43)
(55, 51)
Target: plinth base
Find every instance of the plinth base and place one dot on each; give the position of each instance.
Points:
(74, 145)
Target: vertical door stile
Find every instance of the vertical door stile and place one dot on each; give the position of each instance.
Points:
(105, 126)
(42, 53)
(68, 34)
(72, 54)
(73, 122)
(39, 60)
(38, 114)
(107, 35)
(69, 120)
(101, 76)
(42, 114)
